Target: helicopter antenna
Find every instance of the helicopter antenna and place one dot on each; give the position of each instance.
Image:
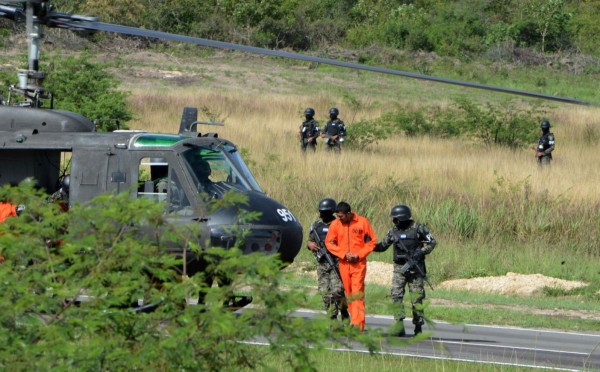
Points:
(189, 120)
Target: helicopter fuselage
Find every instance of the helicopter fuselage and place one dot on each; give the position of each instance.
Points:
(169, 168)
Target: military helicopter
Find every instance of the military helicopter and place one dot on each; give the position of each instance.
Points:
(185, 170)
(35, 139)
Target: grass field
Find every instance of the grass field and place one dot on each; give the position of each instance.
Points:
(491, 209)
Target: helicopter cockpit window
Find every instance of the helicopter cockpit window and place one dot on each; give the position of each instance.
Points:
(157, 182)
(238, 162)
(214, 172)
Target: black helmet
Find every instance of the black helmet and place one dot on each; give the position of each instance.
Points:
(309, 112)
(328, 205)
(334, 112)
(400, 213)
(545, 125)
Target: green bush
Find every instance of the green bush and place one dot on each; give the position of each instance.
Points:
(506, 125)
(113, 251)
(88, 89)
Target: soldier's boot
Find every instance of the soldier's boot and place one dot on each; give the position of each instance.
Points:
(326, 303)
(343, 306)
(397, 329)
(418, 329)
(345, 315)
(334, 312)
(418, 322)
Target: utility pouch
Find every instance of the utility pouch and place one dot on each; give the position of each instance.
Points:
(399, 258)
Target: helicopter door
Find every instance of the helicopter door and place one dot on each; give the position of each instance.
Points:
(89, 169)
(158, 181)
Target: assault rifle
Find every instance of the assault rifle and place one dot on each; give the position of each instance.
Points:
(323, 253)
(411, 264)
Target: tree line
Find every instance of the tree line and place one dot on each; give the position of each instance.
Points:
(449, 28)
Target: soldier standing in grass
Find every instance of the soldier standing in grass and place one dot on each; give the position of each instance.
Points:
(329, 281)
(412, 242)
(309, 131)
(545, 144)
(335, 130)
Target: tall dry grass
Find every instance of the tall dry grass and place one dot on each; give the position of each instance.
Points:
(497, 209)
(266, 125)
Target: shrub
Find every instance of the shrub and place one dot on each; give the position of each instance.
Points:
(113, 250)
(88, 89)
(507, 125)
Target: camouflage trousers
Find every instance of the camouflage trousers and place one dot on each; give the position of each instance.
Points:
(544, 160)
(331, 289)
(304, 144)
(416, 289)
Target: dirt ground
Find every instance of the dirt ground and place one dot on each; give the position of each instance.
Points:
(511, 284)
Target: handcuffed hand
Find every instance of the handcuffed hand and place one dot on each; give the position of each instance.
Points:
(351, 257)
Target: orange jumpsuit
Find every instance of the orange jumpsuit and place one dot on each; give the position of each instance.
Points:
(7, 210)
(356, 237)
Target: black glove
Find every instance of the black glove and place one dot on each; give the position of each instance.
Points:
(419, 254)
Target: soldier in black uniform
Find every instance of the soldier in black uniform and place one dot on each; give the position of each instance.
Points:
(309, 131)
(330, 283)
(335, 130)
(545, 144)
(412, 242)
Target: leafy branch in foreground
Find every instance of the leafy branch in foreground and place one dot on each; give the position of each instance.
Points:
(71, 283)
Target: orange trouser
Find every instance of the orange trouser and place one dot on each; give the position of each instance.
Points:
(353, 277)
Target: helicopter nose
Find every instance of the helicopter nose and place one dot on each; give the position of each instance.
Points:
(289, 229)
(284, 239)
(275, 231)
(291, 242)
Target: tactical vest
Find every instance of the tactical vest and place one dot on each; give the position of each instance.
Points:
(410, 243)
(545, 142)
(334, 127)
(321, 228)
(308, 128)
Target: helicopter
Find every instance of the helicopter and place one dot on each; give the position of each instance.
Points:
(36, 138)
(185, 170)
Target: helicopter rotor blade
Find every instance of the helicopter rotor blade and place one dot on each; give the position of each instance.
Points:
(90, 24)
(100, 26)
(12, 12)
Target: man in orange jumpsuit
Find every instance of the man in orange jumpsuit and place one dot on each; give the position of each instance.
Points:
(7, 210)
(351, 239)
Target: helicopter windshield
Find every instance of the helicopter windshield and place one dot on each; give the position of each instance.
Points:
(213, 169)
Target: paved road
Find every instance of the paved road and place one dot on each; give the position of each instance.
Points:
(493, 344)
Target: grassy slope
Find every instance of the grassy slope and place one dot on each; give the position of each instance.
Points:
(261, 102)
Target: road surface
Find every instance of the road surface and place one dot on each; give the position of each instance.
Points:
(491, 344)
